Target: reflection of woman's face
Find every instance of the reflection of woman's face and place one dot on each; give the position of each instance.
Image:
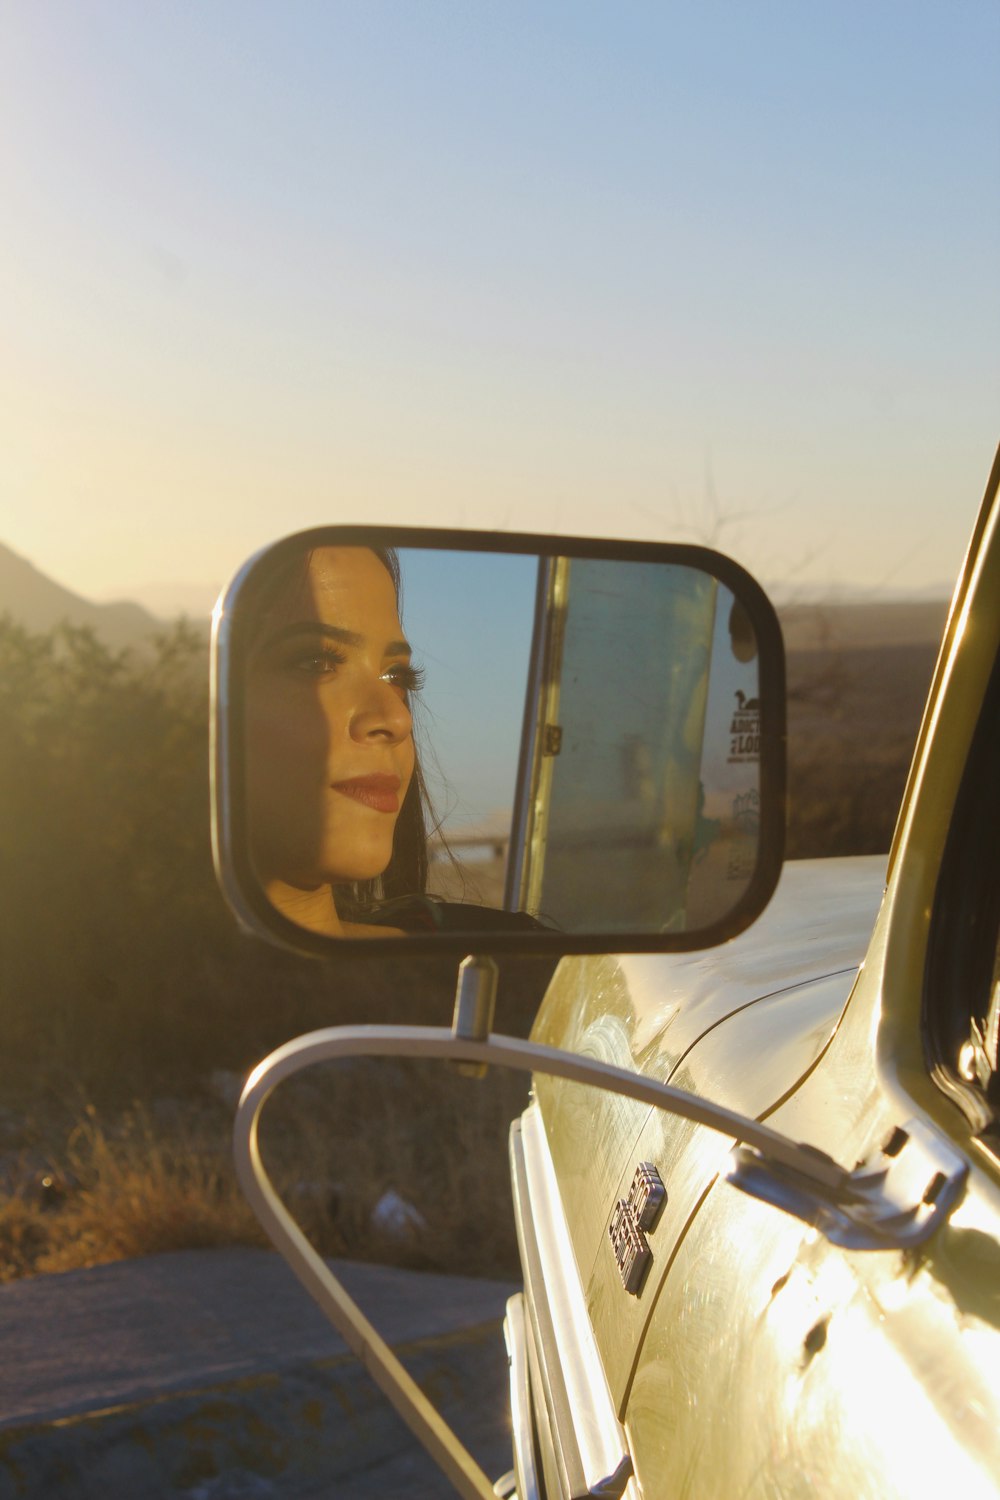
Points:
(329, 733)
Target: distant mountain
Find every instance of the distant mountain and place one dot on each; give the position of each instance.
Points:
(37, 603)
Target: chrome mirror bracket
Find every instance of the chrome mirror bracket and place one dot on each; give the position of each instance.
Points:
(893, 1200)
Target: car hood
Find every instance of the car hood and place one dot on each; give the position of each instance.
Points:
(645, 1011)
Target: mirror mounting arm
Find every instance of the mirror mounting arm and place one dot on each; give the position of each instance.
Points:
(475, 1005)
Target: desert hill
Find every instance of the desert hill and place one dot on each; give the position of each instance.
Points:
(845, 626)
(38, 603)
(858, 672)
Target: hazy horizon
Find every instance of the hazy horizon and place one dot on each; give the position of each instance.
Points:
(169, 600)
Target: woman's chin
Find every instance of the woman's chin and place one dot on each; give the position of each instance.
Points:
(364, 867)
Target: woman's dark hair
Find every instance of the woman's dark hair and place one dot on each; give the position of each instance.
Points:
(406, 872)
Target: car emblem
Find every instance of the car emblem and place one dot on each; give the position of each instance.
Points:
(631, 1219)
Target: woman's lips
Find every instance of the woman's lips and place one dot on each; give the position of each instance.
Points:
(379, 791)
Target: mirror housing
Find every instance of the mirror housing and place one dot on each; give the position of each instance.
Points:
(646, 791)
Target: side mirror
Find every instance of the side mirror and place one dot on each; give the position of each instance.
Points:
(490, 742)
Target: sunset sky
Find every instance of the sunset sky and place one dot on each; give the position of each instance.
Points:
(728, 272)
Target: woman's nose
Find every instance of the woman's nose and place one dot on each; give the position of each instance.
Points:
(382, 713)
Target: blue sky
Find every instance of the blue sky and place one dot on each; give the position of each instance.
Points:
(469, 620)
(724, 272)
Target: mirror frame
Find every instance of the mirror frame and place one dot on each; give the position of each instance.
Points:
(230, 844)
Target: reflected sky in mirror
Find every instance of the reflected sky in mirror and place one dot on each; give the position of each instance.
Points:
(468, 617)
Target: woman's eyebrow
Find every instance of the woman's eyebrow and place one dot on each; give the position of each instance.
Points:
(314, 628)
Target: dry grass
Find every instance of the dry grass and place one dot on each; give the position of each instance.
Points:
(348, 1135)
(159, 1177)
(121, 1188)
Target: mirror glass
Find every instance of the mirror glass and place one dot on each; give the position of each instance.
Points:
(428, 740)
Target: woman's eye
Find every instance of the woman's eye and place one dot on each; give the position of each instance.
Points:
(317, 663)
(404, 675)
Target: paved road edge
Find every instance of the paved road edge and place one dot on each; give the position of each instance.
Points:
(317, 1420)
